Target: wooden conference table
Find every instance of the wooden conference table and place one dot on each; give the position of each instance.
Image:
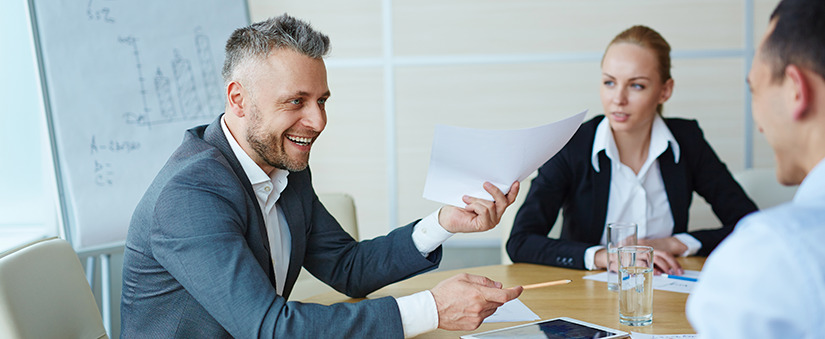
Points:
(581, 299)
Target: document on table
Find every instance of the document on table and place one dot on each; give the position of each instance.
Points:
(637, 335)
(462, 159)
(513, 310)
(681, 284)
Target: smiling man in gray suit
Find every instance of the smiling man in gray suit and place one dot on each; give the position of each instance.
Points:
(216, 243)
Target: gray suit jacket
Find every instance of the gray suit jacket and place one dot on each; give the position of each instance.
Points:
(197, 261)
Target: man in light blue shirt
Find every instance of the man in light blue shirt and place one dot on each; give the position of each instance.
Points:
(767, 280)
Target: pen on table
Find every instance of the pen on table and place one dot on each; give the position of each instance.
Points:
(679, 277)
(549, 283)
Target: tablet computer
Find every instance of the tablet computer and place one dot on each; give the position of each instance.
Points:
(557, 328)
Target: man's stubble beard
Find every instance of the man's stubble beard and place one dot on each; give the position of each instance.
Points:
(270, 147)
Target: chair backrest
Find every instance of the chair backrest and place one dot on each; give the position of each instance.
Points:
(44, 294)
(761, 186)
(342, 207)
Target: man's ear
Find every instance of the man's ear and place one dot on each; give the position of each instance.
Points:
(236, 99)
(800, 91)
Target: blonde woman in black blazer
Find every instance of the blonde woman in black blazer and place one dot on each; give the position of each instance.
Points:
(635, 83)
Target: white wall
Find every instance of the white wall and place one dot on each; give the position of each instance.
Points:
(399, 67)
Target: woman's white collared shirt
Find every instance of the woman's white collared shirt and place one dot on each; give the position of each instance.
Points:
(638, 197)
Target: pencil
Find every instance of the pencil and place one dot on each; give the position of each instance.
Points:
(549, 283)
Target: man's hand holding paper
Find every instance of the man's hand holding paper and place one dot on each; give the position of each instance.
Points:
(479, 215)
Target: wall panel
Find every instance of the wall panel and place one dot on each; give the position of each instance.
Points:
(480, 96)
(354, 27)
(350, 155)
(534, 26)
(513, 64)
(710, 91)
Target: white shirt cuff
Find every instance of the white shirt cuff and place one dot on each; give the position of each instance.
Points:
(418, 313)
(428, 234)
(692, 244)
(590, 257)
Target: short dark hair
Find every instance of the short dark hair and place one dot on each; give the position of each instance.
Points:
(261, 38)
(798, 37)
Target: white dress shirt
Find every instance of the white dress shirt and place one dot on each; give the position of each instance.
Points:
(638, 197)
(268, 189)
(418, 311)
(767, 279)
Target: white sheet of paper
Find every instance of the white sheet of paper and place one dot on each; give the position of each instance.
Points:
(513, 310)
(462, 159)
(637, 335)
(660, 282)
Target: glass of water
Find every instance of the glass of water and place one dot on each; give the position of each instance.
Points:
(618, 234)
(636, 285)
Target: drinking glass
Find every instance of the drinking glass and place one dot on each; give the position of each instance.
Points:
(618, 234)
(636, 285)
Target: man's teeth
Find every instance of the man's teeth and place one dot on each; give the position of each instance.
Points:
(300, 140)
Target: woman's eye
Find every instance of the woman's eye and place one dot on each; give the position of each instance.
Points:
(608, 83)
(638, 86)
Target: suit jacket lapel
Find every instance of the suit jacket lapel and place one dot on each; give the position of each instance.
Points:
(293, 208)
(674, 178)
(215, 137)
(602, 194)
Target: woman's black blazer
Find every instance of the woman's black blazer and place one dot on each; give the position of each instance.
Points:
(569, 182)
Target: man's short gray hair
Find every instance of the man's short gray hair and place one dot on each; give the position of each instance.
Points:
(256, 41)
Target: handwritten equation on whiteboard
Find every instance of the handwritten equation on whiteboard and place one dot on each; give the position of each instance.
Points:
(103, 171)
(99, 11)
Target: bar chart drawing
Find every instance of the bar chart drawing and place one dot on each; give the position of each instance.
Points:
(187, 90)
(164, 93)
(211, 79)
(180, 95)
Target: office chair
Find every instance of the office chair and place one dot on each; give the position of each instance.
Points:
(44, 294)
(761, 186)
(342, 207)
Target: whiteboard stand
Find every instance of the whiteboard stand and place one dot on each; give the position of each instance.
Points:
(104, 256)
(106, 293)
(90, 271)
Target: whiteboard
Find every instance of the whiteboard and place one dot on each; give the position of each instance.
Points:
(122, 80)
